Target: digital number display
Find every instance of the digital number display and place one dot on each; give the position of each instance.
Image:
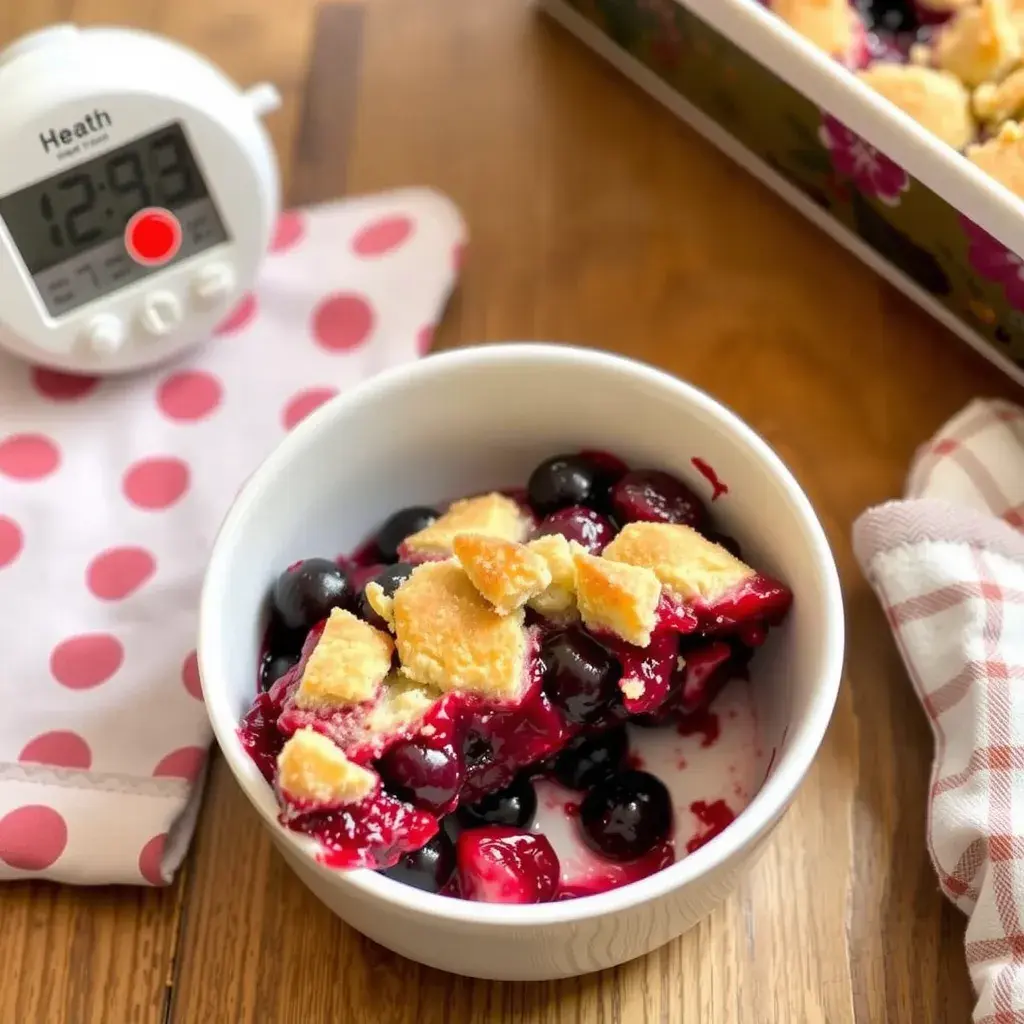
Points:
(55, 223)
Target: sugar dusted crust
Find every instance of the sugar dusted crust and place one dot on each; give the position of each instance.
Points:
(829, 24)
(350, 660)
(505, 573)
(616, 597)
(311, 769)
(995, 103)
(380, 603)
(558, 600)
(492, 515)
(1002, 157)
(450, 638)
(688, 565)
(402, 703)
(979, 44)
(937, 100)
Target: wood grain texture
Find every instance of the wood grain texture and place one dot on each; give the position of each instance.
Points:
(594, 217)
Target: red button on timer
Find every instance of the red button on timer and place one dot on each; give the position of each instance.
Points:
(153, 237)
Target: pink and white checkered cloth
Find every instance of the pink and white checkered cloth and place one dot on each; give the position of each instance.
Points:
(947, 563)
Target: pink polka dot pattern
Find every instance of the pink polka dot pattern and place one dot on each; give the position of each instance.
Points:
(150, 859)
(61, 387)
(424, 339)
(241, 316)
(190, 676)
(84, 661)
(28, 457)
(12, 540)
(118, 572)
(189, 395)
(343, 322)
(59, 749)
(156, 483)
(288, 232)
(185, 763)
(32, 838)
(302, 404)
(382, 236)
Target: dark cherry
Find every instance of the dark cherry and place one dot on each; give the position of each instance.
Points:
(498, 864)
(389, 580)
(890, 16)
(476, 750)
(583, 525)
(588, 760)
(403, 523)
(626, 816)
(429, 868)
(305, 593)
(426, 777)
(581, 677)
(514, 806)
(561, 481)
(274, 666)
(648, 495)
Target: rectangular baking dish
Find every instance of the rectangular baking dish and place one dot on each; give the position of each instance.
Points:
(912, 208)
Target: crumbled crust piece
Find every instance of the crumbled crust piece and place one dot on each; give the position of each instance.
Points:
(632, 689)
(995, 103)
(380, 603)
(829, 24)
(688, 565)
(937, 100)
(613, 596)
(311, 768)
(492, 515)
(979, 44)
(507, 574)
(1002, 157)
(350, 660)
(559, 599)
(450, 638)
(402, 703)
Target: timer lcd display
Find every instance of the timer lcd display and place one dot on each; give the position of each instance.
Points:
(70, 227)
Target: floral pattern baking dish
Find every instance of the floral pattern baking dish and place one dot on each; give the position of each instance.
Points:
(910, 151)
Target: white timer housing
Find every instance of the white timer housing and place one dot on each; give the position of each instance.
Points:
(138, 192)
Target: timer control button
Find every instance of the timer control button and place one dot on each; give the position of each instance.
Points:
(213, 283)
(104, 335)
(161, 313)
(153, 237)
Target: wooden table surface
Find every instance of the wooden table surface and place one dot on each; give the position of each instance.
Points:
(594, 217)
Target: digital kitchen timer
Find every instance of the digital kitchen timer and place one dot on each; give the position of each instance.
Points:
(138, 191)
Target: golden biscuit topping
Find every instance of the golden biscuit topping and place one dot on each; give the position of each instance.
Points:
(613, 596)
(350, 660)
(492, 515)
(311, 768)
(997, 103)
(1002, 157)
(980, 43)
(402, 702)
(380, 603)
(829, 24)
(559, 599)
(507, 574)
(937, 100)
(688, 565)
(449, 637)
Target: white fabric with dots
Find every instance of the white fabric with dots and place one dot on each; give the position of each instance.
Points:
(111, 492)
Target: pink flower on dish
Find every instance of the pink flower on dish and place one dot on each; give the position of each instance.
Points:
(869, 169)
(993, 261)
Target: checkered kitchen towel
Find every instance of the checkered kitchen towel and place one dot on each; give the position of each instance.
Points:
(947, 563)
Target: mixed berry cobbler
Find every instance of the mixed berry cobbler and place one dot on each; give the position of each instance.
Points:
(955, 66)
(410, 694)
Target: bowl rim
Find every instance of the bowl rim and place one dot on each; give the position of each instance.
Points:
(750, 826)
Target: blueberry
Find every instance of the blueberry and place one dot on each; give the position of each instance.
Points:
(588, 760)
(274, 666)
(626, 816)
(648, 495)
(561, 481)
(425, 776)
(389, 580)
(403, 523)
(306, 593)
(582, 676)
(429, 868)
(588, 528)
(514, 806)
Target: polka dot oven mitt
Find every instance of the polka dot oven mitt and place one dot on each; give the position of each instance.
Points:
(111, 492)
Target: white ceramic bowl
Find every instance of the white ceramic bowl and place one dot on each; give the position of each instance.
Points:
(481, 418)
